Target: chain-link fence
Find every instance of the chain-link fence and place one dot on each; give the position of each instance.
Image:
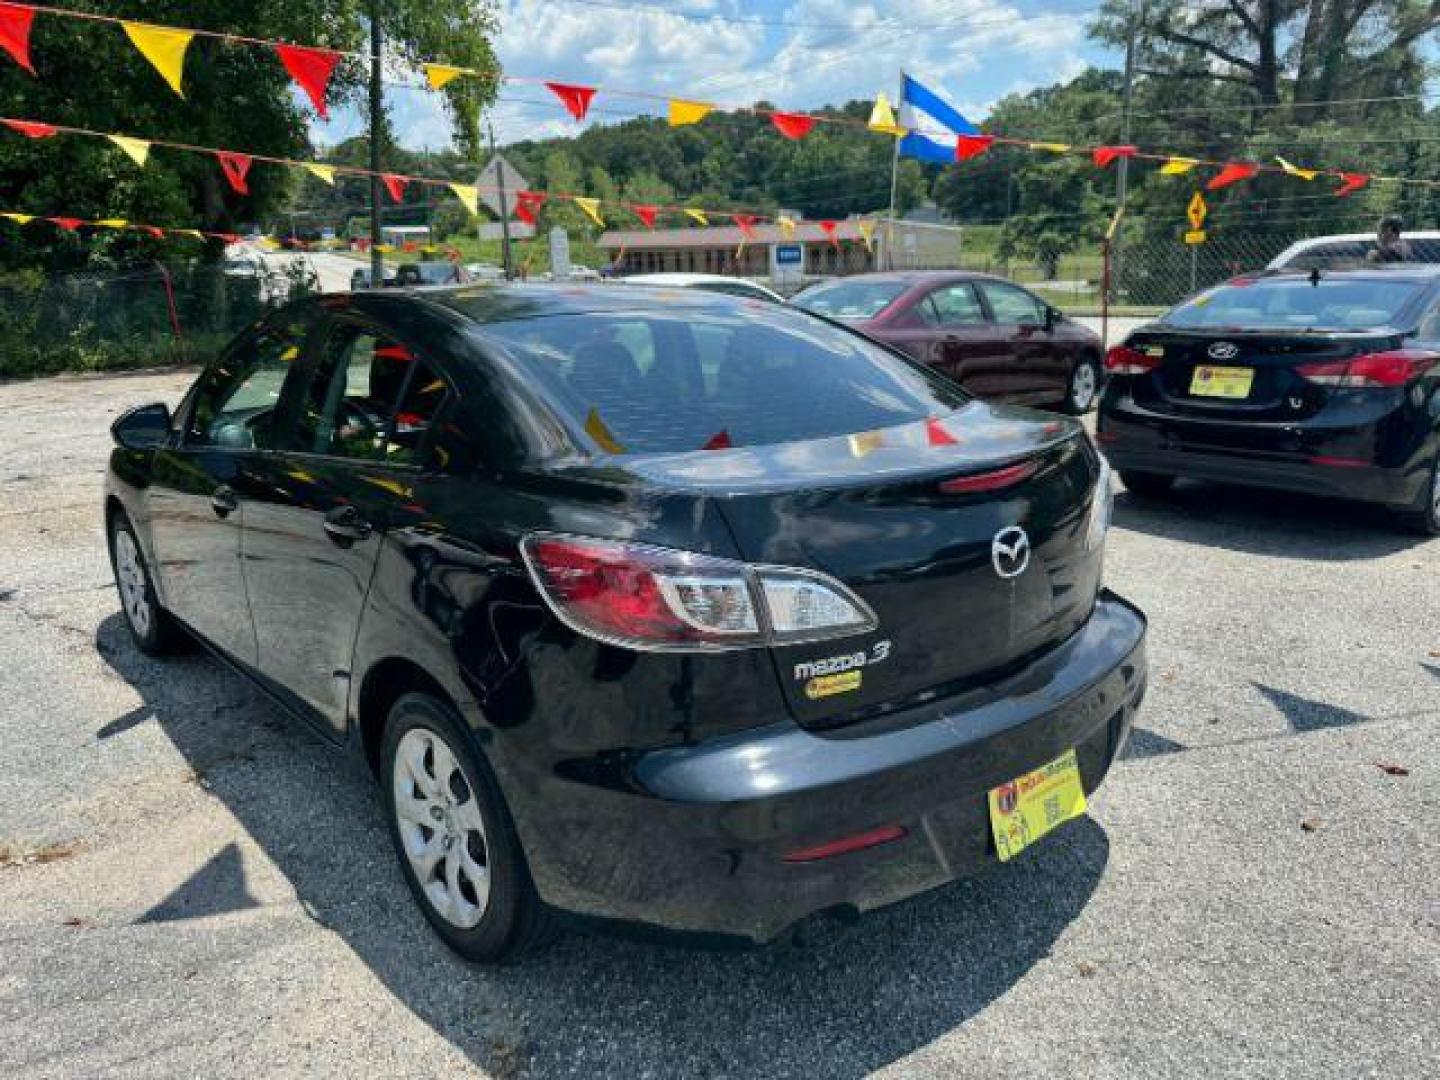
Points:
(149, 316)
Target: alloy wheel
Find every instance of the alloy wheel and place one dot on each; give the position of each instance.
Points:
(441, 828)
(130, 577)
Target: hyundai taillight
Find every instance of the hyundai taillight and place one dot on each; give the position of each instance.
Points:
(1123, 360)
(1383, 369)
(661, 599)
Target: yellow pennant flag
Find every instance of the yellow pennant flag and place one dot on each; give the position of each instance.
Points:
(137, 149)
(687, 112)
(1296, 170)
(113, 223)
(196, 233)
(163, 47)
(867, 232)
(321, 172)
(469, 195)
(591, 208)
(1053, 147)
(1178, 166)
(19, 219)
(385, 249)
(698, 216)
(596, 429)
(882, 117)
(786, 225)
(269, 243)
(441, 75)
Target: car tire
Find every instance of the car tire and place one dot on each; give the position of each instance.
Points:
(1083, 389)
(455, 838)
(153, 630)
(1147, 485)
(1424, 517)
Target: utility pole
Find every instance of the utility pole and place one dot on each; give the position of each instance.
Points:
(1122, 167)
(504, 206)
(377, 124)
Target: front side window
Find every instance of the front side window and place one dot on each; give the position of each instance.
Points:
(369, 398)
(235, 401)
(1012, 306)
(674, 382)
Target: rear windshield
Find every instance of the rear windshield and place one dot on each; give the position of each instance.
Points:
(712, 379)
(850, 299)
(1296, 303)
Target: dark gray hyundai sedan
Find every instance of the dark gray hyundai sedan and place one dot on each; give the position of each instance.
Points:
(647, 605)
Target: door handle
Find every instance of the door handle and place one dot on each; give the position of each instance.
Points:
(224, 501)
(345, 526)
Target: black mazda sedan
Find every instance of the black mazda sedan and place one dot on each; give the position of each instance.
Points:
(1327, 383)
(664, 607)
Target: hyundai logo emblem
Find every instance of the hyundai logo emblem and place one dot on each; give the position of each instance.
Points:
(1224, 350)
(1010, 551)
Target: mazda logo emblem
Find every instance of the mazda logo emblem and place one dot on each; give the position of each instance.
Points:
(1010, 551)
(1224, 350)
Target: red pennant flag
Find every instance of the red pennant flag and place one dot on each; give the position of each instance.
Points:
(792, 125)
(746, 224)
(235, 167)
(1354, 181)
(1104, 155)
(828, 228)
(157, 233)
(69, 224)
(362, 243)
(576, 99)
(971, 146)
(719, 441)
(1236, 170)
(527, 205)
(31, 129)
(646, 214)
(410, 245)
(395, 185)
(229, 237)
(15, 21)
(937, 435)
(311, 68)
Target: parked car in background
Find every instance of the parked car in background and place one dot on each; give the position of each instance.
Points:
(436, 272)
(994, 338)
(1326, 383)
(732, 286)
(1351, 250)
(485, 272)
(360, 277)
(659, 607)
(580, 272)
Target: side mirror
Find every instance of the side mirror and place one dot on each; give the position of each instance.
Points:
(142, 428)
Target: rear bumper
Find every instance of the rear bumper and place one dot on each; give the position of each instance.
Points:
(1379, 460)
(693, 839)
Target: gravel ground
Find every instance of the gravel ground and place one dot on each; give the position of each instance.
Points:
(191, 885)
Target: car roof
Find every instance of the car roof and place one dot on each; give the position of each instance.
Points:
(501, 302)
(1300, 247)
(911, 278)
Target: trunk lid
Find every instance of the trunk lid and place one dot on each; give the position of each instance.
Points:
(1277, 392)
(869, 510)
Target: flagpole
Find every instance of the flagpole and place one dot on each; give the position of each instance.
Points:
(894, 177)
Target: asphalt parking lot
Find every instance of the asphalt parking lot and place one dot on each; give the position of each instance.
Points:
(191, 885)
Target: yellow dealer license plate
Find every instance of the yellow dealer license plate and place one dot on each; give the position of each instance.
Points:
(1226, 382)
(1025, 809)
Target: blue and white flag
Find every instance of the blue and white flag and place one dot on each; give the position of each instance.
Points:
(930, 122)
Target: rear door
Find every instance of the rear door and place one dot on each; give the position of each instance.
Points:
(349, 459)
(1030, 373)
(197, 498)
(969, 346)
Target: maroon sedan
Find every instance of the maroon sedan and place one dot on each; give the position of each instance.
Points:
(997, 340)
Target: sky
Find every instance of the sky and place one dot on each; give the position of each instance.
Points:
(797, 55)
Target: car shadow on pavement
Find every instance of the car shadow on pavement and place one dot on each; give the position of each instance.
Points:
(1260, 522)
(848, 1002)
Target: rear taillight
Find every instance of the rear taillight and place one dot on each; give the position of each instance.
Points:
(1383, 369)
(1123, 360)
(660, 599)
(990, 481)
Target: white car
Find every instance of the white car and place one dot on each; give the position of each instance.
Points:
(711, 282)
(583, 273)
(485, 271)
(1344, 249)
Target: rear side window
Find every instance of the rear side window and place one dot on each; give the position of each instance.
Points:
(664, 383)
(369, 398)
(1294, 303)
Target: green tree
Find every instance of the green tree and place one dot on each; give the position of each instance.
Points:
(236, 96)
